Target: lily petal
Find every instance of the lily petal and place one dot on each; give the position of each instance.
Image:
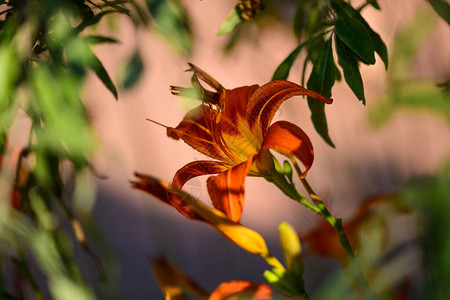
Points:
(197, 168)
(241, 290)
(194, 209)
(172, 281)
(266, 100)
(289, 139)
(161, 190)
(227, 189)
(194, 130)
(233, 104)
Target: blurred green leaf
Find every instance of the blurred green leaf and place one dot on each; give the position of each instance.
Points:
(132, 71)
(92, 20)
(65, 130)
(349, 64)
(411, 95)
(233, 20)
(9, 64)
(287, 170)
(429, 198)
(374, 4)
(356, 37)
(409, 40)
(442, 8)
(172, 22)
(445, 88)
(98, 39)
(321, 81)
(284, 281)
(98, 68)
(404, 92)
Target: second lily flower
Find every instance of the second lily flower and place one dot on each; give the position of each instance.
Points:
(233, 127)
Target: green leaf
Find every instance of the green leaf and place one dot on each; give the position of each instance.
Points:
(172, 22)
(321, 81)
(349, 64)
(287, 170)
(282, 72)
(374, 4)
(132, 71)
(345, 10)
(98, 39)
(356, 37)
(232, 21)
(98, 68)
(442, 8)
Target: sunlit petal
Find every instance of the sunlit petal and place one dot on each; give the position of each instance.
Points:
(234, 290)
(196, 132)
(289, 139)
(194, 209)
(266, 100)
(197, 168)
(227, 190)
(161, 191)
(233, 105)
(172, 281)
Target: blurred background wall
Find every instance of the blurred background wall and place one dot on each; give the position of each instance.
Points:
(366, 161)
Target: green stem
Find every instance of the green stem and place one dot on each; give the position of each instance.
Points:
(290, 191)
(337, 225)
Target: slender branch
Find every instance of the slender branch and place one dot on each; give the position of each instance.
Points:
(358, 275)
(81, 237)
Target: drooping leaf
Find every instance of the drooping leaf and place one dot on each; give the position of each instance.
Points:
(132, 71)
(98, 39)
(233, 20)
(309, 17)
(374, 4)
(87, 22)
(98, 68)
(282, 72)
(349, 64)
(442, 8)
(321, 81)
(356, 37)
(172, 22)
(345, 10)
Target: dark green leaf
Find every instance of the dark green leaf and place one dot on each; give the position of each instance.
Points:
(374, 4)
(321, 81)
(172, 22)
(95, 19)
(98, 39)
(282, 72)
(232, 21)
(356, 37)
(349, 64)
(299, 18)
(98, 68)
(445, 88)
(132, 71)
(345, 10)
(442, 8)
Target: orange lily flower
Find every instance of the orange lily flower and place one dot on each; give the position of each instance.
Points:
(235, 290)
(233, 127)
(194, 209)
(175, 283)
